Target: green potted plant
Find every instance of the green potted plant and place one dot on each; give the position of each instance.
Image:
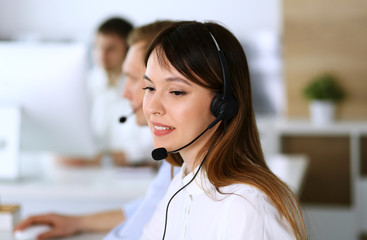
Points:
(323, 92)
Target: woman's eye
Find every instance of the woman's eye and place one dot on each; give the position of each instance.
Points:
(178, 93)
(150, 89)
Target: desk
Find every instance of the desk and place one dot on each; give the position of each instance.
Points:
(78, 191)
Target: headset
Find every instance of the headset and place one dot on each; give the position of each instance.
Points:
(224, 107)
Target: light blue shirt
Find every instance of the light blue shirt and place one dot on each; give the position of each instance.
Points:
(139, 212)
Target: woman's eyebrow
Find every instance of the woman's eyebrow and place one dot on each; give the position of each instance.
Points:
(147, 78)
(170, 79)
(177, 79)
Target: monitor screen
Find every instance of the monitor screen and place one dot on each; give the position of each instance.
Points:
(47, 82)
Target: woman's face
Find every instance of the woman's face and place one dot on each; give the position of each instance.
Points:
(177, 109)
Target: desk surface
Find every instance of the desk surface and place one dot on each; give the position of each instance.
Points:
(77, 191)
(82, 184)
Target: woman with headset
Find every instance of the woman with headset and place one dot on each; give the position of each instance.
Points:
(199, 109)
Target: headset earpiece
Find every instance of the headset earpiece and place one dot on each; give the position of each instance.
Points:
(224, 106)
(225, 109)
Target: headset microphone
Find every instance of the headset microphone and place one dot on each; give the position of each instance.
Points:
(123, 119)
(161, 153)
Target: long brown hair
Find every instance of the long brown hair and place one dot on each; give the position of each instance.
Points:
(238, 158)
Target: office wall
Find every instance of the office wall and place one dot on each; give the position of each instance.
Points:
(257, 24)
(77, 19)
(326, 36)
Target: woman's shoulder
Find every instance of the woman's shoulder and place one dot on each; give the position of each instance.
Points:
(241, 188)
(246, 196)
(248, 206)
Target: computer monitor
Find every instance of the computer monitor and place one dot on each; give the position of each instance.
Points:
(46, 82)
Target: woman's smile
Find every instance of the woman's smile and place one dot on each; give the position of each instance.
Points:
(160, 129)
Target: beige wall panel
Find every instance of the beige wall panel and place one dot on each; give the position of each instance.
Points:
(326, 36)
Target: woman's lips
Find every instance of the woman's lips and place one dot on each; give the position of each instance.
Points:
(160, 129)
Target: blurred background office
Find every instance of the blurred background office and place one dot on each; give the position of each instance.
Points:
(288, 45)
(115, 143)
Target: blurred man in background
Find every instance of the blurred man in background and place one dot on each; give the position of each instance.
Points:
(131, 219)
(117, 144)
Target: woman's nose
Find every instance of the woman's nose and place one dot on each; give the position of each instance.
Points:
(155, 104)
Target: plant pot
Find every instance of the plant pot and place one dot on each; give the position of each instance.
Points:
(322, 112)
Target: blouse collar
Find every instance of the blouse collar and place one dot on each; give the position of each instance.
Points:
(200, 184)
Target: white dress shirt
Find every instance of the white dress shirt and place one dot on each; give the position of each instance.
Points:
(200, 212)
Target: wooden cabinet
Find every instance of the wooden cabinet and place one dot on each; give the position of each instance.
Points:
(328, 180)
(337, 155)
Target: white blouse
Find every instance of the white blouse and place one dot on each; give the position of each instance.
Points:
(199, 212)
